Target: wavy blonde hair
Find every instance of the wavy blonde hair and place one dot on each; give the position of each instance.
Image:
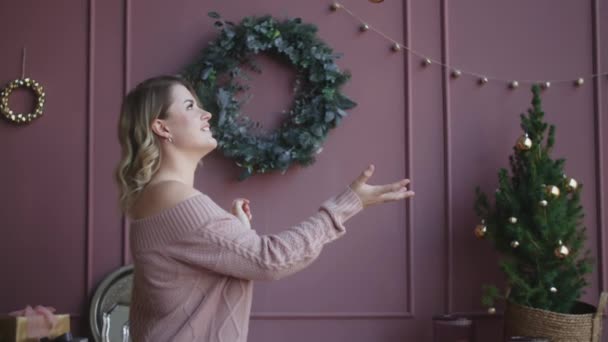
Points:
(140, 157)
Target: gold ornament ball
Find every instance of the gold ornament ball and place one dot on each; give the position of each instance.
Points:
(513, 84)
(396, 47)
(491, 311)
(483, 80)
(524, 143)
(335, 6)
(553, 191)
(364, 27)
(553, 289)
(561, 252)
(513, 219)
(481, 231)
(571, 184)
(545, 85)
(456, 73)
(543, 203)
(514, 243)
(426, 62)
(579, 82)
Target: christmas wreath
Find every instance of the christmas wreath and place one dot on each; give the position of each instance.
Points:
(219, 76)
(22, 118)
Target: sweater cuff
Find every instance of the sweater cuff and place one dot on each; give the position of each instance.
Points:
(343, 207)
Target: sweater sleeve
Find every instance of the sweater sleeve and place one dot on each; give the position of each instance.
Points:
(226, 246)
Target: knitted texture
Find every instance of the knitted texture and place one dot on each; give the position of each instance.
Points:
(195, 264)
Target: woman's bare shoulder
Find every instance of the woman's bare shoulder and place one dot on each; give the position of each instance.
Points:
(160, 196)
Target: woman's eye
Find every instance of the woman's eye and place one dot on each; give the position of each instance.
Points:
(189, 106)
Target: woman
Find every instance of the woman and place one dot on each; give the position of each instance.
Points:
(195, 262)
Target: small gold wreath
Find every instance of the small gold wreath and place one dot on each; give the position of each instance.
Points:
(21, 118)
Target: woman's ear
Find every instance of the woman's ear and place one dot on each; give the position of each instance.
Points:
(160, 129)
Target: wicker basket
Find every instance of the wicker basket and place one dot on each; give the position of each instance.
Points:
(583, 325)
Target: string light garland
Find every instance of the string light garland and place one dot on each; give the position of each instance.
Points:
(455, 72)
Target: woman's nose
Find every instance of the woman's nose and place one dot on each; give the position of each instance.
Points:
(206, 116)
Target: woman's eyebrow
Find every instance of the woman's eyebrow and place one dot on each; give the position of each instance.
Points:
(188, 101)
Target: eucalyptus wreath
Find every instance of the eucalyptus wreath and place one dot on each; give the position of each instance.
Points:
(219, 75)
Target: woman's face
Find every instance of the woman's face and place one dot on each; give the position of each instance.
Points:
(188, 124)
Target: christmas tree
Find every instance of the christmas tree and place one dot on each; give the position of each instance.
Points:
(536, 223)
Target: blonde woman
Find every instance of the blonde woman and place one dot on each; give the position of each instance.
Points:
(195, 262)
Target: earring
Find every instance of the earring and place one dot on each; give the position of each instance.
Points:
(170, 139)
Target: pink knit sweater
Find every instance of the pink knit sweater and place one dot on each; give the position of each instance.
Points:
(195, 262)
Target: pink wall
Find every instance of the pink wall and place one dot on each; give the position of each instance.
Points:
(399, 265)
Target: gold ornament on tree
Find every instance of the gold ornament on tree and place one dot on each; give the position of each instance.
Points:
(492, 310)
(524, 143)
(552, 191)
(571, 184)
(543, 203)
(481, 230)
(513, 219)
(561, 251)
(553, 289)
(514, 244)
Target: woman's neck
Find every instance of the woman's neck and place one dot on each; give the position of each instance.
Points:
(176, 167)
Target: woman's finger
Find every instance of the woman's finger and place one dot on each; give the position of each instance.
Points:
(396, 195)
(393, 187)
(364, 176)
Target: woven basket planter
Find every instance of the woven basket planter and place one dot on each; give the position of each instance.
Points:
(583, 325)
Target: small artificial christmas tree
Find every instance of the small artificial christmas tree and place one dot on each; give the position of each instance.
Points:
(536, 223)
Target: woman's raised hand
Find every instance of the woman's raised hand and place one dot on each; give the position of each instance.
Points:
(375, 194)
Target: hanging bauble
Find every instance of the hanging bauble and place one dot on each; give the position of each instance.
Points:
(524, 143)
(571, 184)
(543, 203)
(491, 311)
(514, 244)
(513, 219)
(561, 251)
(553, 289)
(552, 191)
(481, 231)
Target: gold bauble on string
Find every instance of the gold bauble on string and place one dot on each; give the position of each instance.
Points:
(543, 203)
(514, 244)
(571, 184)
(553, 289)
(335, 6)
(513, 219)
(552, 191)
(481, 230)
(561, 252)
(491, 311)
(524, 143)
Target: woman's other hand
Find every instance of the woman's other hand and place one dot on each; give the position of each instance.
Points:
(240, 209)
